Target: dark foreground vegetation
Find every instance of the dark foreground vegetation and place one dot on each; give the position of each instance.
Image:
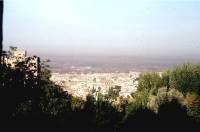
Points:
(168, 101)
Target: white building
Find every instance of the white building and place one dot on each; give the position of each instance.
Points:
(33, 63)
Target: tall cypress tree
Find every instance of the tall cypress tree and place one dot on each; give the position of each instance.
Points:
(1, 27)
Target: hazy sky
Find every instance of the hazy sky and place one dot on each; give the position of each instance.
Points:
(119, 27)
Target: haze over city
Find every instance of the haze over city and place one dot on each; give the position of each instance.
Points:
(106, 27)
(100, 65)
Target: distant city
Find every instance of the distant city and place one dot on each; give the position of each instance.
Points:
(81, 85)
(83, 75)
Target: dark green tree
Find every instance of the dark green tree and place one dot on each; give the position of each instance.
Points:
(184, 78)
(113, 92)
(150, 81)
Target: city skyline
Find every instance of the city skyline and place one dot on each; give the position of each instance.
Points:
(106, 27)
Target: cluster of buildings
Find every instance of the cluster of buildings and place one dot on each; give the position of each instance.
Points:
(92, 83)
(77, 84)
(14, 57)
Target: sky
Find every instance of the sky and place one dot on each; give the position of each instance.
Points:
(104, 27)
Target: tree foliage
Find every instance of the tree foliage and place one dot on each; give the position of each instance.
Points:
(193, 105)
(149, 81)
(26, 97)
(113, 92)
(185, 78)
